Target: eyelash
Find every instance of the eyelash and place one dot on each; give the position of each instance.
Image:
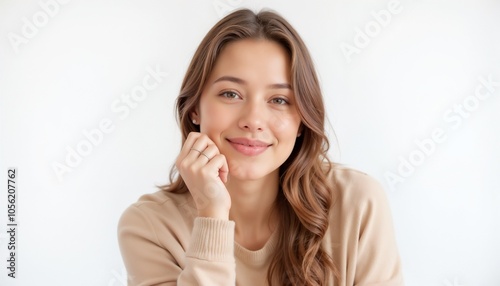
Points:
(284, 100)
(225, 93)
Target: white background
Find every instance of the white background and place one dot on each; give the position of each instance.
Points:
(396, 89)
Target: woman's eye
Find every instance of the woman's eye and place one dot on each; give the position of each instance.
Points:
(229, 94)
(279, 100)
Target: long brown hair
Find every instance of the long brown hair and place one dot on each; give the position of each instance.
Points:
(305, 196)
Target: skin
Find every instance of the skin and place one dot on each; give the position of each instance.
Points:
(247, 95)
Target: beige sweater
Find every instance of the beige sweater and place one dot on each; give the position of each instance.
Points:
(163, 242)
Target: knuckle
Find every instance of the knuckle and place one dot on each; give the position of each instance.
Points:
(205, 138)
(214, 149)
(204, 172)
(192, 135)
(215, 158)
(182, 165)
(191, 168)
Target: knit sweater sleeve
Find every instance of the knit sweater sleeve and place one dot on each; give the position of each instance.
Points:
(154, 260)
(372, 256)
(378, 260)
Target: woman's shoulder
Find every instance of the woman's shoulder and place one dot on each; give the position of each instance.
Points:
(354, 187)
(160, 207)
(361, 229)
(162, 198)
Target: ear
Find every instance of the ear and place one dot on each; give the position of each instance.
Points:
(301, 128)
(195, 118)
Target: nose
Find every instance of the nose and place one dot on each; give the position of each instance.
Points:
(252, 117)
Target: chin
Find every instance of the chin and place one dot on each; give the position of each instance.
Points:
(247, 173)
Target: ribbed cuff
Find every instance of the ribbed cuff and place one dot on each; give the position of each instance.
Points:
(212, 239)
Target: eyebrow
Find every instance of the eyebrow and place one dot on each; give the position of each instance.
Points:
(242, 82)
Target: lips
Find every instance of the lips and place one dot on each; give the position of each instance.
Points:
(248, 147)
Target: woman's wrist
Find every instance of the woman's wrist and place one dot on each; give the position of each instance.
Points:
(217, 213)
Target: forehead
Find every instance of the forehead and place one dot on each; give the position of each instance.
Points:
(256, 59)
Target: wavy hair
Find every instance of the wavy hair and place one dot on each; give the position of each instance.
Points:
(305, 196)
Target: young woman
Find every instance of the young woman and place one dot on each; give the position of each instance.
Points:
(256, 200)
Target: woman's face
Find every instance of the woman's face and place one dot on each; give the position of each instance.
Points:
(248, 108)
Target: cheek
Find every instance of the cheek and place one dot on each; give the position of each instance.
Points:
(284, 124)
(209, 115)
(213, 121)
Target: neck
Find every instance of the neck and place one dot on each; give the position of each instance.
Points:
(253, 209)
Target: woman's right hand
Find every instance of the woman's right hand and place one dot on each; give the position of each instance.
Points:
(205, 171)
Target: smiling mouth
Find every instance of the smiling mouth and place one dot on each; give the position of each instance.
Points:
(248, 147)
